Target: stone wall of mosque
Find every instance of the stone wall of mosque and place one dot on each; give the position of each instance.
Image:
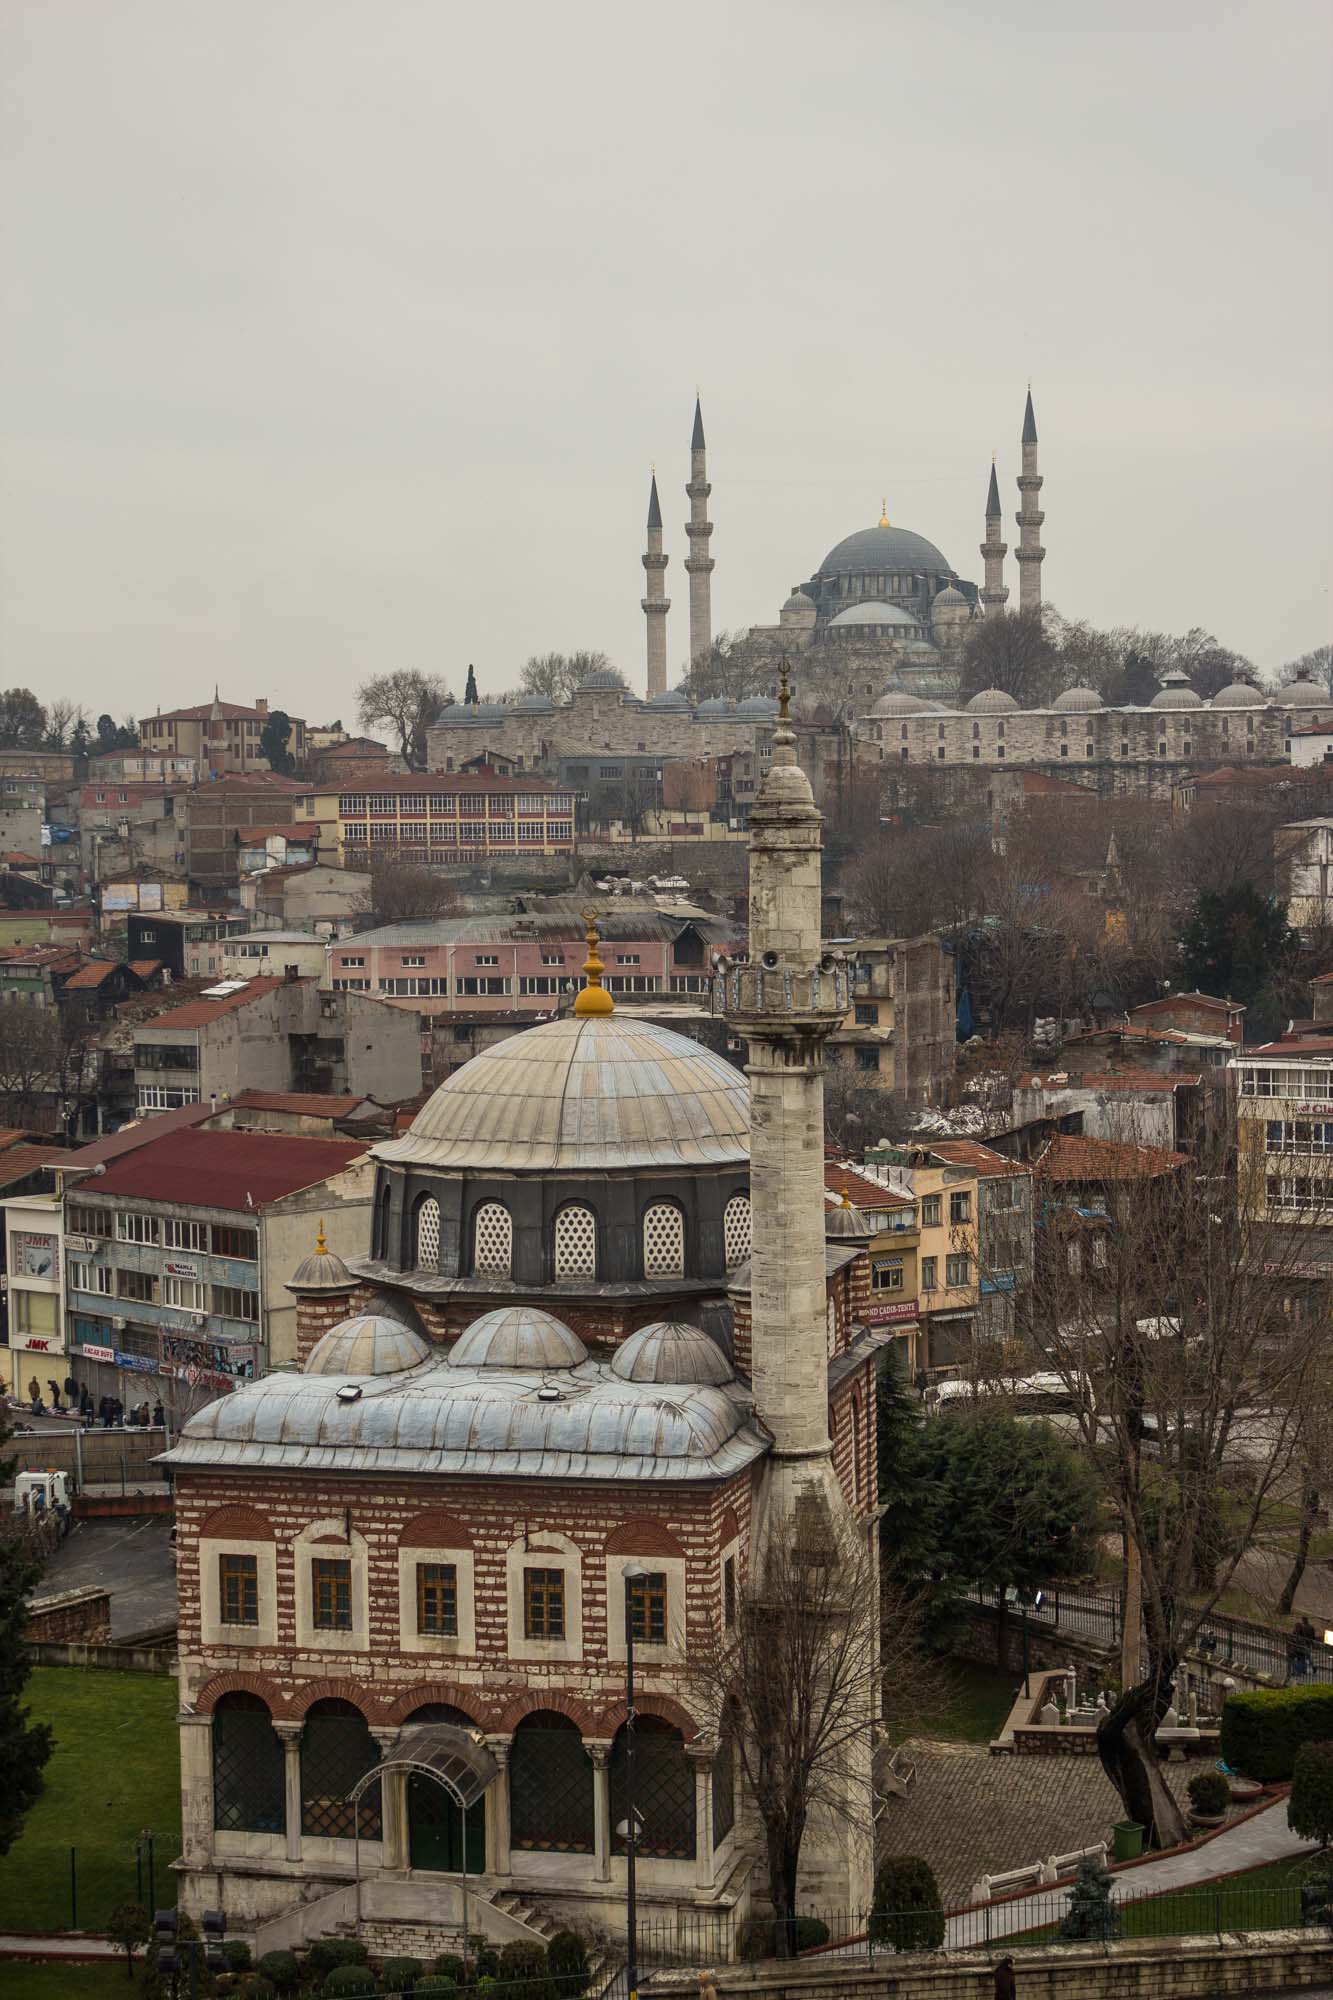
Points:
(1132, 736)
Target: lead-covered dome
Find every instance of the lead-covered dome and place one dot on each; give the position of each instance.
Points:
(1303, 693)
(898, 702)
(990, 701)
(671, 1351)
(1239, 695)
(367, 1344)
(879, 612)
(1176, 692)
(517, 1337)
(596, 1092)
(884, 548)
(1078, 700)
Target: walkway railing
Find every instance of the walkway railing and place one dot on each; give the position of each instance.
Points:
(1226, 1642)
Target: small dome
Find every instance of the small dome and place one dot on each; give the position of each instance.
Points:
(367, 1344)
(534, 704)
(898, 702)
(670, 698)
(1176, 692)
(1078, 700)
(757, 706)
(476, 711)
(1239, 695)
(950, 601)
(1303, 693)
(846, 1222)
(798, 601)
(990, 701)
(874, 614)
(714, 708)
(517, 1337)
(600, 681)
(322, 1271)
(669, 1351)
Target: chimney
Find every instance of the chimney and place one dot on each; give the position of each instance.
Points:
(261, 703)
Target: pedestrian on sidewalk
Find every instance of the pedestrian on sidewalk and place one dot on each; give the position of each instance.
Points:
(35, 1396)
(1006, 1987)
(1300, 1649)
(54, 1387)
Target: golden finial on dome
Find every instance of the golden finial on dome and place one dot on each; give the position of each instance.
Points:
(784, 695)
(884, 520)
(594, 998)
(846, 1199)
(321, 1247)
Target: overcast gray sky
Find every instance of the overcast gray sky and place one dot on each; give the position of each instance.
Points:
(339, 335)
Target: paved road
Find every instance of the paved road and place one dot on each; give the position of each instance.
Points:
(129, 1555)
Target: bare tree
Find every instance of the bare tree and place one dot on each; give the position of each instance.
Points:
(733, 667)
(405, 701)
(859, 1113)
(1317, 665)
(795, 1683)
(1187, 1343)
(30, 1059)
(402, 889)
(556, 675)
(1013, 653)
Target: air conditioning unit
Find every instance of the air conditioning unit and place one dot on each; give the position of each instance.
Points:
(199, 1319)
(119, 1324)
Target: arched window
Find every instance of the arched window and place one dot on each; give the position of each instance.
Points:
(493, 1240)
(384, 1218)
(249, 1788)
(576, 1243)
(550, 1786)
(427, 1257)
(663, 1241)
(736, 1238)
(663, 1789)
(337, 1748)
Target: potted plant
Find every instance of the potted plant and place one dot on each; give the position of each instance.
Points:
(1209, 1797)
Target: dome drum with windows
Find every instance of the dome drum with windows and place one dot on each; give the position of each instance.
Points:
(591, 1155)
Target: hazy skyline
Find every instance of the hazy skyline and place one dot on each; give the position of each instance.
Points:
(341, 337)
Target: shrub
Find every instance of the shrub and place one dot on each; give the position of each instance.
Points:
(485, 1964)
(907, 1911)
(1209, 1794)
(400, 1975)
(451, 1965)
(567, 1957)
(349, 1982)
(259, 1988)
(1091, 1915)
(1263, 1729)
(326, 1954)
(237, 1954)
(1310, 1807)
(437, 1986)
(522, 1971)
(281, 1970)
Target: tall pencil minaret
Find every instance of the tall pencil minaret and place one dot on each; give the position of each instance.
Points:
(656, 604)
(994, 592)
(1029, 553)
(698, 563)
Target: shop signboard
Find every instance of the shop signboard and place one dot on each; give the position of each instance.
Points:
(880, 1312)
(34, 1254)
(194, 1359)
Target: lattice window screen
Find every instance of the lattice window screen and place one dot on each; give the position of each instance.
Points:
(663, 1789)
(663, 1241)
(249, 1786)
(337, 1748)
(576, 1243)
(493, 1240)
(550, 1787)
(428, 1234)
(736, 1231)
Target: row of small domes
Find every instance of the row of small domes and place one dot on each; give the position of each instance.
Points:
(1175, 693)
(522, 1338)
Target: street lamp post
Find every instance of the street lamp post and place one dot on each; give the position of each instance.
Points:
(633, 1574)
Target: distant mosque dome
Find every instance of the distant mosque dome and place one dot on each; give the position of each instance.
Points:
(990, 701)
(898, 702)
(949, 606)
(601, 680)
(884, 548)
(881, 613)
(670, 698)
(1176, 692)
(669, 1351)
(367, 1344)
(714, 708)
(534, 704)
(517, 1337)
(1078, 700)
(798, 601)
(757, 706)
(1303, 693)
(1240, 695)
(479, 711)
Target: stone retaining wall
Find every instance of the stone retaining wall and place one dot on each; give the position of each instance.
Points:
(83, 1614)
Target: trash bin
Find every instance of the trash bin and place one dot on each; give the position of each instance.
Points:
(1126, 1840)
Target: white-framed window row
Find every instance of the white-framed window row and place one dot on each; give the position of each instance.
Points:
(665, 1577)
(215, 1630)
(332, 1589)
(542, 1568)
(424, 1601)
(85, 1277)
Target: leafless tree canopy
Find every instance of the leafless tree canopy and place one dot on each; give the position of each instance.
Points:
(402, 889)
(406, 702)
(556, 675)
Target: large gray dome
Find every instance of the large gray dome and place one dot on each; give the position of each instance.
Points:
(879, 611)
(884, 548)
(1303, 693)
(898, 702)
(591, 1092)
(990, 701)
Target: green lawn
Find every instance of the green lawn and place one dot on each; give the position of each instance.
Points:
(115, 1770)
(1256, 1899)
(968, 1703)
(22, 1979)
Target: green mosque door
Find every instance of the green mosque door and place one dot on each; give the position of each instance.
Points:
(435, 1829)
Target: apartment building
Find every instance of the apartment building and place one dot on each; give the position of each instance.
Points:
(218, 817)
(899, 1034)
(189, 943)
(454, 817)
(218, 736)
(1284, 1132)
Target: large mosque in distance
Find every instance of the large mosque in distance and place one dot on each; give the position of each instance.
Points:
(884, 591)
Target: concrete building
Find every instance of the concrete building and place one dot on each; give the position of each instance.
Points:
(218, 815)
(899, 1033)
(275, 1034)
(1303, 862)
(314, 897)
(252, 954)
(528, 964)
(442, 820)
(22, 813)
(219, 737)
(189, 943)
(34, 1292)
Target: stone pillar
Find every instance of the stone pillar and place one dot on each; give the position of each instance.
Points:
(699, 564)
(498, 1859)
(601, 1808)
(393, 1805)
(656, 604)
(290, 1735)
(196, 1788)
(994, 594)
(701, 1756)
(1029, 554)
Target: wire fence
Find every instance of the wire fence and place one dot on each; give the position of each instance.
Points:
(1043, 1917)
(1226, 1643)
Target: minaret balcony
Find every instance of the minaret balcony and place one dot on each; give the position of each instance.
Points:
(699, 565)
(1029, 555)
(778, 999)
(698, 489)
(655, 561)
(655, 604)
(698, 530)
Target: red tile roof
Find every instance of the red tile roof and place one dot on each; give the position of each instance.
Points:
(228, 710)
(14, 859)
(1305, 1045)
(1194, 999)
(144, 968)
(142, 1133)
(453, 781)
(988, 1165)
(17, 1162)
(237, 1170)
(1070, 1157)
(1039, 784)
(312, 1103)
(860, 1192)
(198, 1013)
(90, 975)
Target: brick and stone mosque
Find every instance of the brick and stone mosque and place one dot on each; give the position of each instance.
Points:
(607, 1346)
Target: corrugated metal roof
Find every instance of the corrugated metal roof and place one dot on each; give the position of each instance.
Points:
(239, 1170)
(595, 1092)
(647, 926)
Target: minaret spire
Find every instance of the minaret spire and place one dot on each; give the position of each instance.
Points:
(656, 604)
(994, 592)
(698, 563)
(1029, 553)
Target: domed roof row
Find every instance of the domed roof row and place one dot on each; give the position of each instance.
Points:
(523, 1339)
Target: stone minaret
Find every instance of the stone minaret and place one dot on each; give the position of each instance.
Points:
(656, 604)
(698, 563)
(786, 1000)
(1029, 553)
(994, 592)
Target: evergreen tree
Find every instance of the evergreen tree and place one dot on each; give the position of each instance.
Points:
(24, 1745)
(1232, 941)
(1092, 1917)
(470, 695)
(273, 740)
(908, 1492)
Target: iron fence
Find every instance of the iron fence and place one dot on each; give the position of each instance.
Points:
(704, 1938)
(1226, 1643)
